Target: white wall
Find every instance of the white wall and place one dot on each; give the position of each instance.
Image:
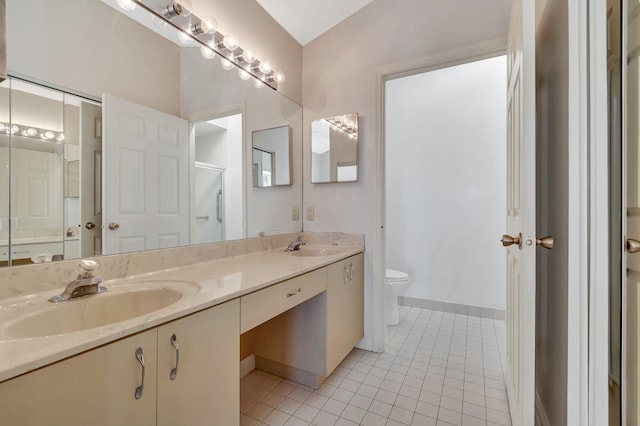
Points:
(445, 149)
(340, 76)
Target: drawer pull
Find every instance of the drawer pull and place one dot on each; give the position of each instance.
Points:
(140, 358)
(293, 293)
(174, 343)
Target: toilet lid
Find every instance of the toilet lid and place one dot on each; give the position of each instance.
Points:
(396, 276)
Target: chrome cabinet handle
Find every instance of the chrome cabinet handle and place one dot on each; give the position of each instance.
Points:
(174, 343)
(293, 293)
(353, 271)
(219, 206)
(140, 358)
(346, 274)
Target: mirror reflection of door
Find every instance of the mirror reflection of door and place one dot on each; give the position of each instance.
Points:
(263, 168)
(209, 203)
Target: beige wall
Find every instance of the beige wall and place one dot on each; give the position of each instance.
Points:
(339, 76)
(88, 47)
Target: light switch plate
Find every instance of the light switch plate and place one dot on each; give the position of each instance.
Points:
(295, 214)
(311, 213)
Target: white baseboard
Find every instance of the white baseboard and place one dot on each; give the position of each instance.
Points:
(247, 365)
(541, 414)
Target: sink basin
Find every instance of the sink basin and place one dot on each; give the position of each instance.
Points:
(122, 302)
(317, 251)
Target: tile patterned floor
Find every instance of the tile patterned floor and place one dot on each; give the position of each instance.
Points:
(439, 369)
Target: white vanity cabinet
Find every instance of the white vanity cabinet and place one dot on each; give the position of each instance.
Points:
(97, 387)
(345, 308)
(204, 390)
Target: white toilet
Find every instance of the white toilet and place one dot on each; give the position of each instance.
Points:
(395, 282)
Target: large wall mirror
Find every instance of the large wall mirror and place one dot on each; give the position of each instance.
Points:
(334, 149)
(115, 138)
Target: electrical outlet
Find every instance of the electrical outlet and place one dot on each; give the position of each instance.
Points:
(311, 213)
(295, 214)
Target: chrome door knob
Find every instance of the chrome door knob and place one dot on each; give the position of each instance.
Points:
(545, 242)
(113, 226)
(632, 246)
(90, 225)
(508, 240)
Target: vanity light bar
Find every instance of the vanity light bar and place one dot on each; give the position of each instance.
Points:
(204, 31)
(31, 132)
(348, 127)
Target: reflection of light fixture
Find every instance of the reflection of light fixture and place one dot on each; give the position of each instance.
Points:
(344, 124)
(205, 31)
(243, 74)
(127, 5)
(226, 64)
(258, 83)
(31, 132)
(184, 38)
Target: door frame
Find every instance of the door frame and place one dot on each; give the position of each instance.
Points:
(437, 60)
(596, 307)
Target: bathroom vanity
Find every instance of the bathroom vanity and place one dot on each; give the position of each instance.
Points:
(179, 364)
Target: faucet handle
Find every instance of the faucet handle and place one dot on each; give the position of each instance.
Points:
(87, 268)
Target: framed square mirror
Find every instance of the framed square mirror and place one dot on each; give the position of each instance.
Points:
(334, 149)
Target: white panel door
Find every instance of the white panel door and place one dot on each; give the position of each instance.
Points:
(521, 209)
(146, 178)
(91, 179)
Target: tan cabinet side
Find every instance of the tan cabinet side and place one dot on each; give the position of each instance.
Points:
(94, 388)
(206, 388)
(345, 308)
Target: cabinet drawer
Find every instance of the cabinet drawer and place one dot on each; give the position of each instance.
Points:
(261, 306)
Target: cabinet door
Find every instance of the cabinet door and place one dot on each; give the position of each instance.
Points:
(345, 308)
(94, 388)
(206, 386)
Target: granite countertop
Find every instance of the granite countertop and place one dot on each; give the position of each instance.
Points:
(217, 281)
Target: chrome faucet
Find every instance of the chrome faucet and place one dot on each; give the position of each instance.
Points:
(83, 285)
(295, 244)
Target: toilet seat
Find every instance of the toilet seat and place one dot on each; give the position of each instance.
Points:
(394, 276)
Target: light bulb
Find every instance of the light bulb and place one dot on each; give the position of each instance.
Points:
(248, 57)
(264, 67)
(226, 64)
(279, 76)
(230, 42)
(48, 135)
(60, 137)
(184, 38)
(3, 127)
(243, 74)
(186, 7)
(31, 132)
(258, 83)
(209, 24)
(127, 5)
(207, 52)
(14, 129)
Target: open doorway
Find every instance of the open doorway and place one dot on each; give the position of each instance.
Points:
(445, 168)
(217, 180)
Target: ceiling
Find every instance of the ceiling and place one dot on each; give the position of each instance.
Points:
(307, 19)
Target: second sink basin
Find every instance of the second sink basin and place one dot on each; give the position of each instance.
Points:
(317, 251)
(122, 302)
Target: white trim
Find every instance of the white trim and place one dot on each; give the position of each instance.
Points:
(578, 220)
(247, 365)
(542, 419)
(599, 217)
(441, 59)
